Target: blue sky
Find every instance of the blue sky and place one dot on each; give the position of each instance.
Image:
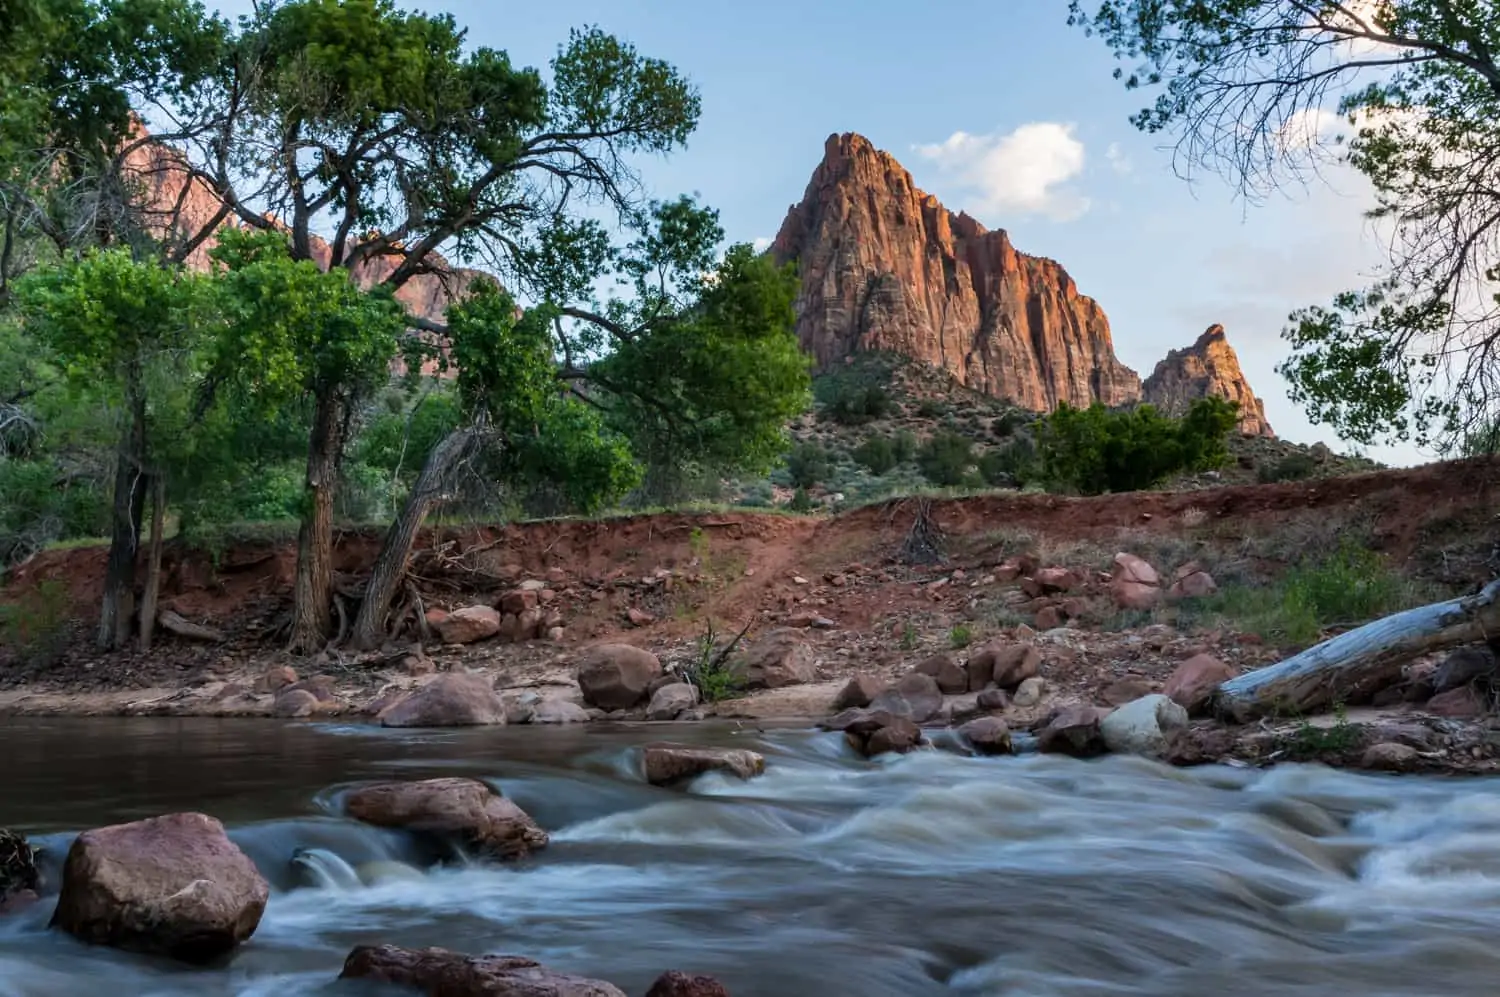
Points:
(1044, 149)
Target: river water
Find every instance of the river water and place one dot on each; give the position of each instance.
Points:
(929, 874)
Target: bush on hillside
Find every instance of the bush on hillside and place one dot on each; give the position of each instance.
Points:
(1013, 464)
(945, 459)
(1292, 467)
(807, 464)
(1096, 450)
(904, 446)
(853, 404)
(876, 455)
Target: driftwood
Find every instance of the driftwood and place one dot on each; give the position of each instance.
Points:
(173, 623)
(1354, 665)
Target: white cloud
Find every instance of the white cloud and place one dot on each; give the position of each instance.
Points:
(1118, 161)
(1026, 171)
(761, 243)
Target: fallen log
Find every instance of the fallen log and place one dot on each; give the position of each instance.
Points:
(1354, 666)
(173, 623)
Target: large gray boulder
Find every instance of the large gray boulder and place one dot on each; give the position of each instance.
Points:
(617, 676)
(454, 699)
(1141, 727)
(466, 810)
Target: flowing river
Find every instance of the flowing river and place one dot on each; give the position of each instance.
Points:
(929, 874)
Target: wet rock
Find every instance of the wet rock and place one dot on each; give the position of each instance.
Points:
(1126, 690)
(1004, 663)
(1202, 745)
(1030, 692)
(946, 672)
(19, 878)
(1074, 730)
(858, 692)
(780, 658)
(295, 704)
(987, 736)
(671, 700)
(1388, 756)
(1134, 583)
(993, 700)
(675, 984)
(1464, 701)
(466, 810)
(1195, 681)
(443, 973)
(558, 711)
(467, 625)
(172, 885)
(1462, 667)
(873, 732)
(916, 697)
(454, 699)
(616, 676)
(665, 764)
(1141, 727)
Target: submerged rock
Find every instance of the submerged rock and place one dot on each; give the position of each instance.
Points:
(675, 984)
(172, 885)
(873, 732)
(467, 810)
(455, 699)
(444, 973)
(665, 764)
(987, 736)
(1141, 727)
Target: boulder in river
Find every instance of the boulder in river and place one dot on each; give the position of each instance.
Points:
(665, 763)
(453, 699)
(875, 732)
(1074, 730)
(444, 973)
(466, 810)
(781, 657)
(172, 885)
(916, 697)
(675, 984)
(671, 701)
(617, 676)
(987, 736)
(1141, 727)
(19, 879)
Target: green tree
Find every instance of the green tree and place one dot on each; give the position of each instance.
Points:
(1095, 450)
(1242, 85)
(946, 457)
(126, 334)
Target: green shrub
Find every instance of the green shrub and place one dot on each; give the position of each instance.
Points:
(1095, 450)
(961, 636)
(876, 454)
(808, 464)
(1013, 464)
(1004, 425)
(904, 446)
(711, 672)
(801, 501)
(930, 408)
(1293, 467)
(35, 625)
(853, 404)
(945, 458)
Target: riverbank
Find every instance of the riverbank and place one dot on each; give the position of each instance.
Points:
(522, 606)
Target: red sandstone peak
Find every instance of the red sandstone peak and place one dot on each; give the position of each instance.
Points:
(885, 266)
(1208, 367)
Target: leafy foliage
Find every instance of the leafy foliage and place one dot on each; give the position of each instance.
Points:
(1095, 450)
(1248, 87)
(945, 459)
(808, 465)
(876, 454)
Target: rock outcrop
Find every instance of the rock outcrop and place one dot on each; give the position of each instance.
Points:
(885, 266)
(1208, 367)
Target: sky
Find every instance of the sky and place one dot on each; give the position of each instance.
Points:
(999, 109)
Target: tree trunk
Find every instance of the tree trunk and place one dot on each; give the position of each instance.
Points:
(153, 559)
(1355, 665)
(312, 614)
(125, 526)
(390, 564)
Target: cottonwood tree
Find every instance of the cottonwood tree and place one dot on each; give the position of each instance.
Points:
(1408, 93)
(382, 130)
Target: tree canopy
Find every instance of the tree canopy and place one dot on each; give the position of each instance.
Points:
(1407, 92)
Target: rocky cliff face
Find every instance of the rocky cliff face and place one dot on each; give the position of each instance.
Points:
(1208, 367)
(884, 266)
